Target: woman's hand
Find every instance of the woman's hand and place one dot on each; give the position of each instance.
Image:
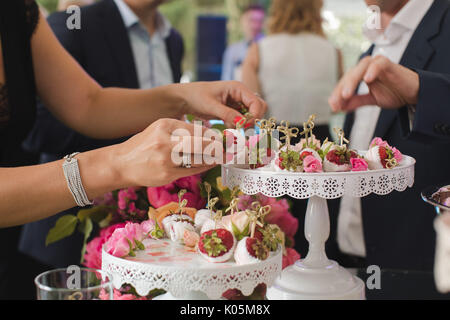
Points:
(390, 86)
(153, 157)
(220, 100)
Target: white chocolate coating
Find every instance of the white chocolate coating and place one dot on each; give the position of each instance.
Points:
(241, 254)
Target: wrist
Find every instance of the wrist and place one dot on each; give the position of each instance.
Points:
(178, 93)
(100, 171)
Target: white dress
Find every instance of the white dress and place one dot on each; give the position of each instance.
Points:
(297, 75)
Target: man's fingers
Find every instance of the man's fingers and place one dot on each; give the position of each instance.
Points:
(354, 77)
(379, 64)
(358, 101)
(336, 100)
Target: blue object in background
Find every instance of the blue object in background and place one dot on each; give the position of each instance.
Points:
(211, 44)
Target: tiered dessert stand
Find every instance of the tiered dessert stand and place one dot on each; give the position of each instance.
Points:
(184, 274)
(442, 227)
(317, 277)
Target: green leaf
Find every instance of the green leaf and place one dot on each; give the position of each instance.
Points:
(219, 126)
(132, 254)
(63, 228)
(190, 117)
(139, 244)
(86, 228)
(96, 214)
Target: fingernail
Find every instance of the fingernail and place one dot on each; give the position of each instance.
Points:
(368, 77)
(346, 92)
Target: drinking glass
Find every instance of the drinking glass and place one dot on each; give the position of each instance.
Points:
(74, 283)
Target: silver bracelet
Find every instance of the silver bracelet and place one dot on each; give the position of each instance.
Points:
(73, 178)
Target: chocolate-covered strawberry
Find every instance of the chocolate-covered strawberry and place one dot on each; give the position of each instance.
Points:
(338, 159)
(382, 156)
(217, 245)
(250, 250)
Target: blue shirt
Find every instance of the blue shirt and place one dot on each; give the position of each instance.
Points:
(233, 58)
(150, 52)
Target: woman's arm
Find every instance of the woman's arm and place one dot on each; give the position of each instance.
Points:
(36, 192)
(79, 102)
(250, 69)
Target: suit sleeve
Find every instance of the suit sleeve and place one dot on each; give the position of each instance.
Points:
(431, 121)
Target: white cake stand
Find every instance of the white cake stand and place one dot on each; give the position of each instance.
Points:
(317, 277)
(184, 274)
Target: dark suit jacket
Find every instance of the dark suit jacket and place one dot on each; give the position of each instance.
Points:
(103, 49)
(398, 228)
(432, 118)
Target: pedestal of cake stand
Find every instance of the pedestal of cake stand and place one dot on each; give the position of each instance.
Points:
(316, 277)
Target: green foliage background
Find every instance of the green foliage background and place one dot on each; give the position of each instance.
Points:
(182, 14)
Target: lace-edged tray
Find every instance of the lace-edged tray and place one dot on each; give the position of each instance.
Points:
(328, 185)
(170, 266)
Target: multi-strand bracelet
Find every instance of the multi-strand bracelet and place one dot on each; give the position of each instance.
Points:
(73, 178)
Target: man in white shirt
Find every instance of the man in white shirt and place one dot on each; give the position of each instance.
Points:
(390, 230)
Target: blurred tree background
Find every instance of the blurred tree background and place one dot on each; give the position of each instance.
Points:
(342, 24)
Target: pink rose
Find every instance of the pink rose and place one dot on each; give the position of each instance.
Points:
(93, 256)
(253, 141)
(134, 231)
(148, 226)
(359, 164)
(290, 257)
(397, 155)
(287, 223)
(311, 164)
(118, 243)
(313, 142)
(160, 196)
(378, 142)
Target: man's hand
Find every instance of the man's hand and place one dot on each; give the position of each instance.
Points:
(390, 86)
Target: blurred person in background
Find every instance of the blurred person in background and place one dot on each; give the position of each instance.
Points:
(295, 68)
(252, 24)
(121, 43)
(64, 4)
(396, 231)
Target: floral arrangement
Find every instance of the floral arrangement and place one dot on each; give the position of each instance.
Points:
(129, 216)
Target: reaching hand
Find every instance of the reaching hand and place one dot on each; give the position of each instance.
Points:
(221, 100)
(149, 158)
(390, 86)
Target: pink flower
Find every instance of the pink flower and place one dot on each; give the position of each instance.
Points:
(397, 155)
(134, 232)
(160, 196)
(378, 142)
(359, 164)
(148, 226)
(279, 207)
(118, 244)
(314, 142)
(311, 164)
(290, 257)
(253, 141)
(93, 255)
(287, 223)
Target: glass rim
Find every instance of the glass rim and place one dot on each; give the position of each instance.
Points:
(47, 288)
